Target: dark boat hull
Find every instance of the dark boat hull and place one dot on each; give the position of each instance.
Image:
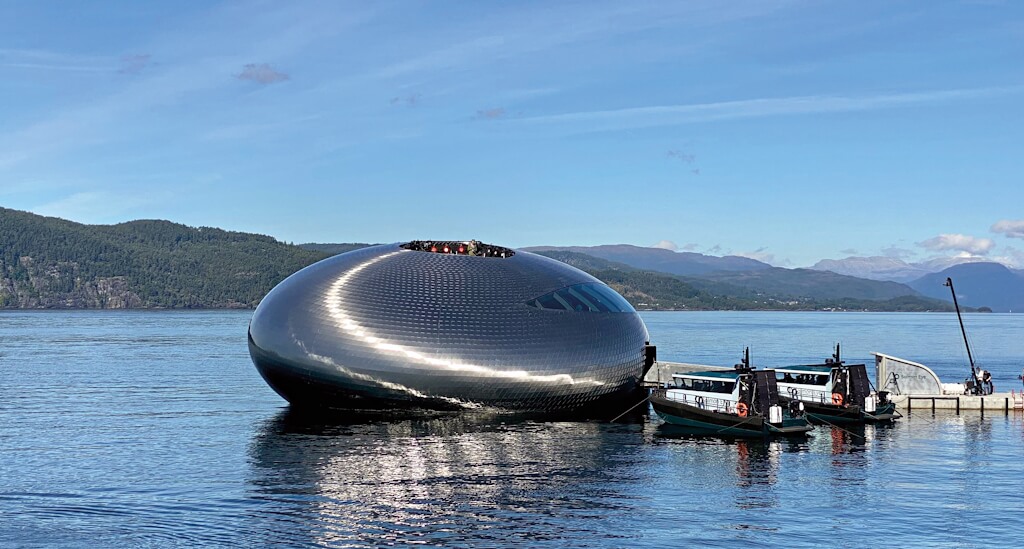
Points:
(708, 422)
(832, 414)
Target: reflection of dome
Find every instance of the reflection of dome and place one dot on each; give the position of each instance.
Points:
(390, 325)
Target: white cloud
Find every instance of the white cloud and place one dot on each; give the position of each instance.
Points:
(666, 245)
(1010, 228)
(959, 242)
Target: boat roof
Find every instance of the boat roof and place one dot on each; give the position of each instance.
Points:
(808, 369)
(713, 375)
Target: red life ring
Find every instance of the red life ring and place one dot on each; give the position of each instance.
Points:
(741, 409)
(837, 399)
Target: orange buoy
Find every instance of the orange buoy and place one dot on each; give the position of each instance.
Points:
(837, 399)
(741, 409)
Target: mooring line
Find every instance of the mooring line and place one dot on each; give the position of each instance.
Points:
(646, 398)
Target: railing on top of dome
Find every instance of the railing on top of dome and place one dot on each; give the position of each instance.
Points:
(455, 247)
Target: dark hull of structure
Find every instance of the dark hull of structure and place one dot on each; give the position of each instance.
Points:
(310, 388)
(708, 422)
(833, 414)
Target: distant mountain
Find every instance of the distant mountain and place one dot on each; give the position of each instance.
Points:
(47, 262)
(334, 249)
(977, 285)
(809, 283)
(650, 290)
(658, 259)
(889, 268)
(874, 268)
(586, 262)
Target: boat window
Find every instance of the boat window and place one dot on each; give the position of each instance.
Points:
(592, 298)
(707, 385)
(803, 379)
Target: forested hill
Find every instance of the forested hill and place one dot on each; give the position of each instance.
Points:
(47, 262)
(52, 263)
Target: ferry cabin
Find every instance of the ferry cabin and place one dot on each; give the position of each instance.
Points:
(812, 383)
(714, 391)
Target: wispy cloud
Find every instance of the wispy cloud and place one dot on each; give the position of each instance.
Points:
(667, 115)
(1010, 228)
(410, 100)
(681, 156)
(490, 114)
(958, 242)
(261, 73)
(54, 61)
(849, 251)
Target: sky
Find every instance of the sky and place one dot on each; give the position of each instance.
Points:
(780, 130)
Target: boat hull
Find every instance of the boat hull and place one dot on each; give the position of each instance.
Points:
(709, 422)
(832, 415)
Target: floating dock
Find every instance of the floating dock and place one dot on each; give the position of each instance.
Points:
(913, 386)
(996, 402)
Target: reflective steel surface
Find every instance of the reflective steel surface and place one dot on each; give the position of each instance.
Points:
(385, 325)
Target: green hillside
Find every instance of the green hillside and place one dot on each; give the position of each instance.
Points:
(53, 263)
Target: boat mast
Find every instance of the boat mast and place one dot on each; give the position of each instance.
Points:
(970, 357)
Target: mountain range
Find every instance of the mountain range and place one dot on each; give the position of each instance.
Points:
(979, 284)
(661, 260)
(891, 268)
(48, 262)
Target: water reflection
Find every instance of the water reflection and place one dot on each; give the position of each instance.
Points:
(442, 478)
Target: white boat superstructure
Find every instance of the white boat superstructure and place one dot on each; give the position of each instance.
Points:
(717, 391)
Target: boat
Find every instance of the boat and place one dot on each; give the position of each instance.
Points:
(835, 392)
(741, 402)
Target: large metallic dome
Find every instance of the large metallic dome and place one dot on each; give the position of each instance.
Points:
(398, 324)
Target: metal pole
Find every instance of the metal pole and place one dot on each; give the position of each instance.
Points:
(949, 282)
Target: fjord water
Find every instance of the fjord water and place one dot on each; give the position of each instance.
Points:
(154, 429)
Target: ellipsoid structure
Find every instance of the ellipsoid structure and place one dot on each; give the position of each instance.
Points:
(411, 325)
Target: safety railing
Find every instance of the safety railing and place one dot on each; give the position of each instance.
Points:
(807, 395)
(703, 402)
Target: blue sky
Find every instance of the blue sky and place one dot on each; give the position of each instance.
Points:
(786, 131)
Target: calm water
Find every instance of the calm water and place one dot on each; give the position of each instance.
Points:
(153, 429)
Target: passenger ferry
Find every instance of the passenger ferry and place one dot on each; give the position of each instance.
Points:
(739, 402)
(835, 392)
